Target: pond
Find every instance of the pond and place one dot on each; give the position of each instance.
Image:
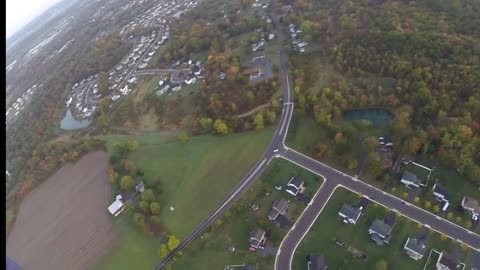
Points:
(379, 117)
(70, 123)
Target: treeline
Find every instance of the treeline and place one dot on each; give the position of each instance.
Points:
(431, 59)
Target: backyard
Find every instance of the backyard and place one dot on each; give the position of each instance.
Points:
(211, 250)
(328, 228)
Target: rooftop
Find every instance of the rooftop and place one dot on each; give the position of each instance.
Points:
(415, 245)
(471, 203)
(448, 260)
(380, 228)
(316, 262)
(411, 177)
(350, 212)
(296, 181)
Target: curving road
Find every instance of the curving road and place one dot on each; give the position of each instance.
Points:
(333, 179)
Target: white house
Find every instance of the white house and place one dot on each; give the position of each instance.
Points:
(117, 206)
(410, 179)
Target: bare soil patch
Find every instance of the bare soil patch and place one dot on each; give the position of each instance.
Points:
(64, 223)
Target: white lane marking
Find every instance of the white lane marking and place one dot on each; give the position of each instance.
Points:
(437, 217)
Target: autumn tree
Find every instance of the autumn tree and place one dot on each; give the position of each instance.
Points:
(206, 123)
(381, 265)
(220, 127)
(127, 183)
(172, 242)
(164, 251)
(155, 208)
(271, 117)
(128, 165)
(183, 137)
(370, 144)
(144, 206)
(258, 121)
(139, 219)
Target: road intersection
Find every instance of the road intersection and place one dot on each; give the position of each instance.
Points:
(333, 179)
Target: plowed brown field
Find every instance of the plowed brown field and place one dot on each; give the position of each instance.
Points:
(64, 222)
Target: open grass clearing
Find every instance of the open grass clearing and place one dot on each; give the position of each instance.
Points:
(328, 227)
(196, 176)
(211, 250)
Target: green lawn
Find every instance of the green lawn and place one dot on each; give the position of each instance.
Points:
(328, 227)
(210, 251)
(195, 176)
(134, 250)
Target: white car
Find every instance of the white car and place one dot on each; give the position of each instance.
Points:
(275, 151)
(278, 187)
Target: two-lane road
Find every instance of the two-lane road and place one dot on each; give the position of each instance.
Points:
(334, 178)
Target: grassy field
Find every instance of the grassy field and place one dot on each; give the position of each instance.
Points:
(134, 250)
(328, 227)
(195, 176)
(210, 251)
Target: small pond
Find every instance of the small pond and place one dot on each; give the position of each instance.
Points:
(69, 122)
(379, 117)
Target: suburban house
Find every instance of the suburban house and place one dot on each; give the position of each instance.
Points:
(349, 213)
(117, 206)
(279, 208)
(140, 187)
(410, 179)
(316, 262)
(380, 232)
(415, 248)
(441, 193)
(257, 239)
(447, 262)
(295, 185)
(471, 205)
(253, 72)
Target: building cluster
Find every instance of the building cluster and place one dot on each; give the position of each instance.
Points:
(187, 73)
(79, 100)
(57, 52)
(20, 104)
(295, 38)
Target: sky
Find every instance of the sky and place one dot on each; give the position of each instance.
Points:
(21, 12)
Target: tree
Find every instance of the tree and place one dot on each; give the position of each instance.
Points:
(183, 137)
(128, 165)
(127, 183)
(132, 145)
(450, 215)
(322, 148)
(428, 204)
(172, 242)
(338, 137)
(144, 206)
(206, 123)
(373, 164)
(258, 121)
(370, 144)
(164, 251)
(436, 208)
(458, 219)
(275, 104)
(220, 127)
(113, 176)
(443, 236)
(381, 265)
(352, 164)
(128, 208)
(250, 97)
(155, 208)
(139, 219)
(272, 117)
(148, 195)
(103, 82)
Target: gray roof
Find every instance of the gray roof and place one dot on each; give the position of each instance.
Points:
(413, 244)
(317, 262)
(411, 177)
(380, 228)
(280, 204)
(350, 212)
(257, 233)
(449, 260)
(297, 181)
(273, 214)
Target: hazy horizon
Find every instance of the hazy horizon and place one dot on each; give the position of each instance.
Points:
(20, 12)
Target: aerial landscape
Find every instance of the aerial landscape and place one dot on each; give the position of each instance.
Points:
(249, 134)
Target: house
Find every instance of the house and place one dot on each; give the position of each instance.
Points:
(190, 80)
(380, 232)
(415, 248)
(117, 206)
(253, 72)
(410, 179)
(140, 187)
(257, 238)
(447, 262)
(279, 208)
(441, 193)
(316, 262)
(471, 205)
(295, 185)
(349, 213)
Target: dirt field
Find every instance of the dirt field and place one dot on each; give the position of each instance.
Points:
(64, 223)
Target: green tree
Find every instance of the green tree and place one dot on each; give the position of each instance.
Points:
(172, 242)
(250, 96)
(258, 121)
(206, 123)
(272, 117)
(370, 144)
(128, 208)
(275, 104)
(183, 137)
(127, 183)
(155, 208)
(148, 195)
(428, 204)
(103, 82)
(164, 251)
(144, 206)
(139, 219)
(132, 145)
(220, 127)
(436, 208)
